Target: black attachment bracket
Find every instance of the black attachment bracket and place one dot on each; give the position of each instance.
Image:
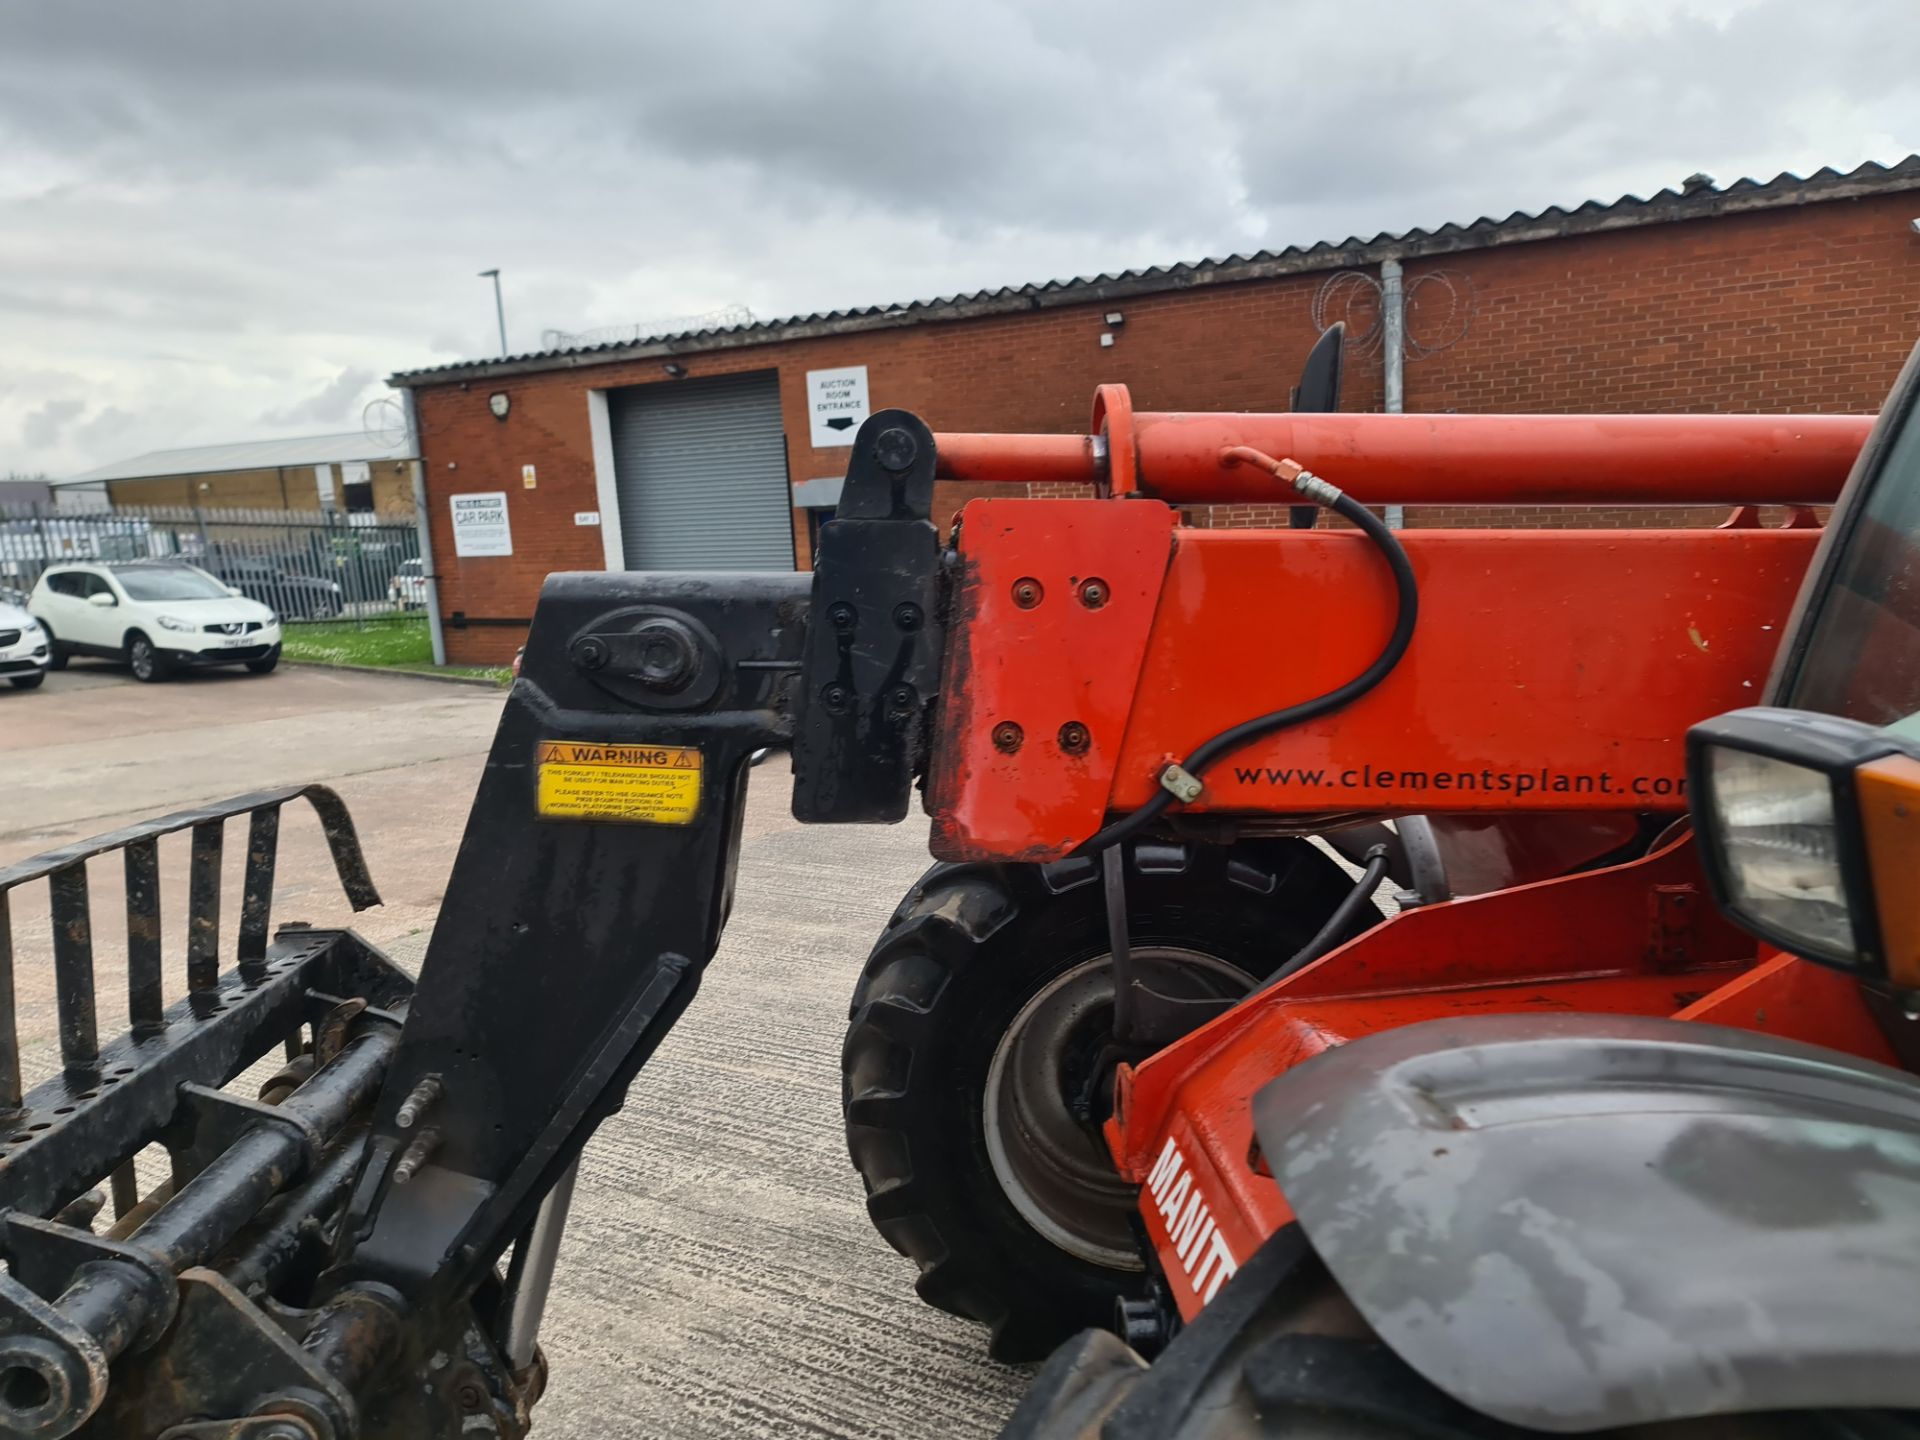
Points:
(588, 894)
(874, 650)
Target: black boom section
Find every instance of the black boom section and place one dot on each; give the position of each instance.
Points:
(588, 893)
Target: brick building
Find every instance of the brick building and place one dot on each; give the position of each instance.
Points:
(354, 472)
(712, 449)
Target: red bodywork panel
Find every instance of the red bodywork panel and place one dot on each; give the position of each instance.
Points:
(1550, 671)
(1641, 938)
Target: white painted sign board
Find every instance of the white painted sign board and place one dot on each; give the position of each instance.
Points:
(480, 524)
(586, 517)
(836, 404)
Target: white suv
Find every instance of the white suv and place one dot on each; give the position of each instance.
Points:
(159, 616)
(23, 648)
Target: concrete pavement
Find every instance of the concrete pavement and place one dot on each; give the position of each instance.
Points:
(719, 1277)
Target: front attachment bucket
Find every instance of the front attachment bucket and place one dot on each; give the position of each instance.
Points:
(97, 1296)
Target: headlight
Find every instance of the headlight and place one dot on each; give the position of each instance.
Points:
(1778, 841)
(172, 622)
(1809, 828)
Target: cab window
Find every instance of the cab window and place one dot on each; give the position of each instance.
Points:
(1862, 653)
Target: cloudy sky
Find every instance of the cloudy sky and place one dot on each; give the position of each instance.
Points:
(228, 219)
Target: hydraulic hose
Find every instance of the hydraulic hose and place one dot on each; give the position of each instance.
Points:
(1328, 935)
(1227, 741)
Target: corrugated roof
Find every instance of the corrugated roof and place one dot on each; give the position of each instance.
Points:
(1697, 199)
(246, 455)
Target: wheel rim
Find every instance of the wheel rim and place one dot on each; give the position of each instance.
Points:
(1053, 1166)
(142, 659)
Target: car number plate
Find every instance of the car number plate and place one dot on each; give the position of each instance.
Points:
(238, 642)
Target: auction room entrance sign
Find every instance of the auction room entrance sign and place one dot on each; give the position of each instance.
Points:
(480, 524)
(836, 404)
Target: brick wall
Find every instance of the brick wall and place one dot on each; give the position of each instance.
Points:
(1808, 308)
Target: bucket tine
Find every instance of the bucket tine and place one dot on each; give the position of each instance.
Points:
(10, 1092)
(126, 1189)
(203, 910)
(256, 903)
(145, 1004)
(73, 968)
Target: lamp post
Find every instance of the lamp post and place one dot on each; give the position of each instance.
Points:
(499, 308)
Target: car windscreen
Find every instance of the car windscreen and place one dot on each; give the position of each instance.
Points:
(181, 584)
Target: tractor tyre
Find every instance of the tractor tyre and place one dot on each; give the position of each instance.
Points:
(977, 1070)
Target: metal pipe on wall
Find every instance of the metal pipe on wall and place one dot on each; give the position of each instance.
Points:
(432, 596)
(1393, 356)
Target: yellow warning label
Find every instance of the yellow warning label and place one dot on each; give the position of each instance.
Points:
(647, 784)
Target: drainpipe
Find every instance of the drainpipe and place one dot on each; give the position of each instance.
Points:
(426, 534)
(1393, 351)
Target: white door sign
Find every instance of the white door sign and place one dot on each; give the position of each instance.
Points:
(480, 524)
(836, 404)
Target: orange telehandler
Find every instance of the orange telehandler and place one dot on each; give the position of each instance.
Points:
(1610, 1128)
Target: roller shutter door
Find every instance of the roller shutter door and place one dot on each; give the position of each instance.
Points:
(701, 471)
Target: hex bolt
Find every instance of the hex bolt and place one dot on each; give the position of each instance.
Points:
(896, 449)
(590, 653)
(669, 656)
(1074, 738)
(1008, 737)
(1027, 592)
(417, 1153)
(907, 615)
(841, 615)
(1093, 592)
(901, 699)
(470, 1396)
(419, 1101)
(837, 698)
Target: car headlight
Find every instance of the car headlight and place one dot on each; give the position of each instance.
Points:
(173, 622)
(1807, 825)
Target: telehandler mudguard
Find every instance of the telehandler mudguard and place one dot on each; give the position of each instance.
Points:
(1578, 1222)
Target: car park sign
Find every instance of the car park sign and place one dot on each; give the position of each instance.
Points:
(480, 524)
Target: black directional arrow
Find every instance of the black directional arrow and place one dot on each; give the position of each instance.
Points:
(840, 422)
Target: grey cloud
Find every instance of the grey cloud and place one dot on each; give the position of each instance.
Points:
(43, 425)
(245, 187)
(332, 404)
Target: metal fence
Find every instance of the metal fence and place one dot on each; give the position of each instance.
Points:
(307, 565)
